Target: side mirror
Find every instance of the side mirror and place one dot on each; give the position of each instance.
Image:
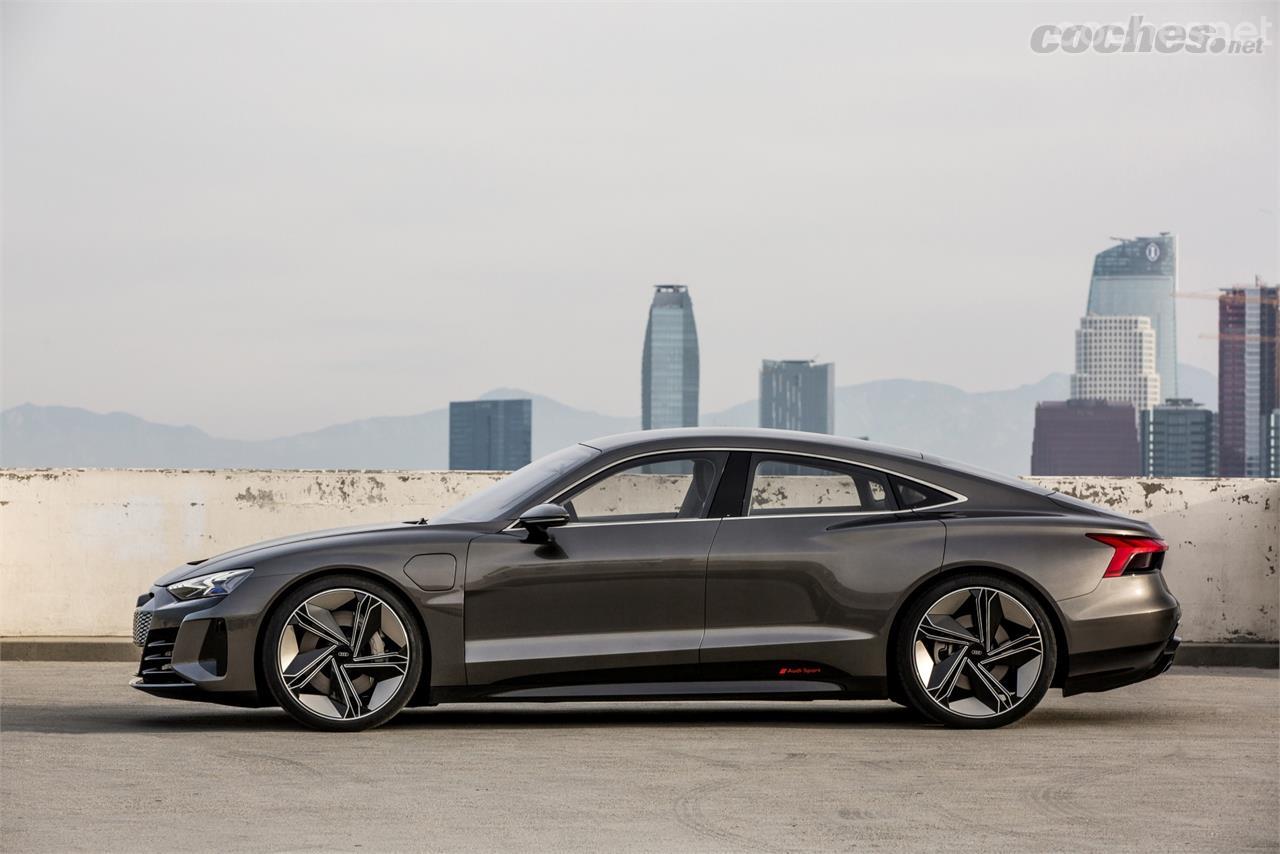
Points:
(537, 521)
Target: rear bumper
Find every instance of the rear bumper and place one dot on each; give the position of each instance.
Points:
(1117, 668)
(1121, 633)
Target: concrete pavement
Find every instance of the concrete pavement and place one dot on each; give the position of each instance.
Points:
(1187, 762)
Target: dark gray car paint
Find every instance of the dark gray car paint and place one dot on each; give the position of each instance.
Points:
(819, 589)
(600, 597)
(615, 604)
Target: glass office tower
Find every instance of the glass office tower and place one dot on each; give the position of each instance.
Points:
(1138, 278)
(490, 435)
(669, 380)
(797, 394)
(1248, 378)
(1178, 440)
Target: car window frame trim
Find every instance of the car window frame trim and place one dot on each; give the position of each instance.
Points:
(759, 457)
(603, 474)
(959, 498)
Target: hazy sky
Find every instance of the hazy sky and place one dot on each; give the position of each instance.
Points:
(267, 218)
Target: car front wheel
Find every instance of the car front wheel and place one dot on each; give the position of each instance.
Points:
(976, 651)
(342, 653)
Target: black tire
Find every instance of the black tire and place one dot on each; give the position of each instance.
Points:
(360, 714)
(973, 656)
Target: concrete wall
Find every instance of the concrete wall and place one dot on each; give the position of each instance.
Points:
(1224, 546)
(78, 546)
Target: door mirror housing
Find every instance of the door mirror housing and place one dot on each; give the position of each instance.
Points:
(539, 520)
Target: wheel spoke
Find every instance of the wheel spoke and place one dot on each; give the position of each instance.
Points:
(305, 666)
(320, 623)
(988, 615)
(366, 605)
(352, 704)
(945, 629)
(1015, 652)
(379, 666)
(946, 675)
(986, 684)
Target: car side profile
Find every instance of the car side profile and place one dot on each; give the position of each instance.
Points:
(682, 564)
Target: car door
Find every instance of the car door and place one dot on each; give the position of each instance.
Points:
(803, 577)
(620, 590)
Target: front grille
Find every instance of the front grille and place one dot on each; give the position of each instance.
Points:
(141, 625)
(157, 656)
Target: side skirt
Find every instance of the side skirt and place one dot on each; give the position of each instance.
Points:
(749, 682)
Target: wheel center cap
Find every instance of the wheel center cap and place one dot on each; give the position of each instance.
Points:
(343, 653)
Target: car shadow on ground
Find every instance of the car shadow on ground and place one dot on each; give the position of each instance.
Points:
(136, 719)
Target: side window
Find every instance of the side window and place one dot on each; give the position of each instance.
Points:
(781, 485)
(913, 496)
(667, 487)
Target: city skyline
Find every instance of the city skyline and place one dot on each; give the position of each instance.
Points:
(377, 244)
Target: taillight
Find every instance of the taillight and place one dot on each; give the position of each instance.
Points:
(1133, 553)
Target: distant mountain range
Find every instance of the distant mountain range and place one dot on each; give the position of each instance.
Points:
(989, 429)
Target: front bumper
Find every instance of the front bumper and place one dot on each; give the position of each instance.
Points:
(198, 650)
(1121, 633)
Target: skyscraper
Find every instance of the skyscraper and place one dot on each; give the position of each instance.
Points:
(669, 370)
(1248, 378)
(1116, 360)
(491, 435)
(1178, 440)
(1085, 437)
(1273, 442)
(798, 394)
(1139, 277)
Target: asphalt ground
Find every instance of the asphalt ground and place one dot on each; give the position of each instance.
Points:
(1186, 762)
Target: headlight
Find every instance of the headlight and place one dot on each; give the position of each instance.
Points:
(213, 584)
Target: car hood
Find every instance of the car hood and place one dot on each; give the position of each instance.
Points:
(244, 556)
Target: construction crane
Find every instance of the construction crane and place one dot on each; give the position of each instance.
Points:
(1228, 296)
(1230, 293)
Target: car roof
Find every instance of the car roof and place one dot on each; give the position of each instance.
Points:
(744, 437)
(914, 464)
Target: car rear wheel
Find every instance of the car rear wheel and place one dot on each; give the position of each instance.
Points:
(976, 651)
(342, 654)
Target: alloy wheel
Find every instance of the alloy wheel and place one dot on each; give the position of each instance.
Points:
(343, 654)
(978, 652)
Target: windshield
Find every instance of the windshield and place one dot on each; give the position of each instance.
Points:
(504, 500)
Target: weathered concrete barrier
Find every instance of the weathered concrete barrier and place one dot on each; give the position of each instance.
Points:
(77, 546)
(1224, 546)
